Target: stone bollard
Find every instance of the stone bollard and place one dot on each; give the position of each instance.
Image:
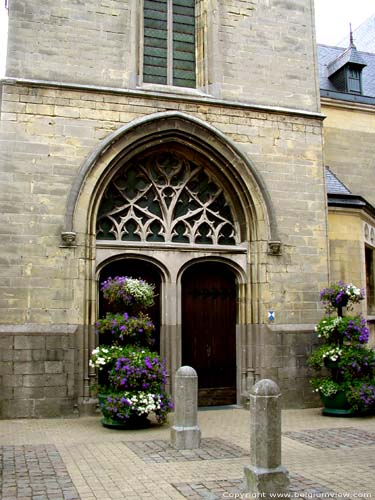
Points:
(265, 476)
(185, 433)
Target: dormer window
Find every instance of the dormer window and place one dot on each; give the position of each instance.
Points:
(345, 72)
(348, 79)
(354, 80)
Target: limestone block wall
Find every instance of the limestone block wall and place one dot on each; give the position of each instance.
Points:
(268, 52)
(257, 51)
(38, 371)
(86, 42)
(47, 135)
(349, 150)
(282, 354)
(48, 132)
(347, 248)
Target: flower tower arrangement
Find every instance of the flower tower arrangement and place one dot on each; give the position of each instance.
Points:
(132, 377)
(348, 385)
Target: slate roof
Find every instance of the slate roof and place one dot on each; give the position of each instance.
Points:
(338, 195)
(334, 185)
(350, 55)
(364, 36)
(327, 55)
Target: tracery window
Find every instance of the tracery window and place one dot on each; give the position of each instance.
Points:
(169, 42)
(166, 197)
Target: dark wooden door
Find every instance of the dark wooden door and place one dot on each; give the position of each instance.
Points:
(209, 330)
(136, 268)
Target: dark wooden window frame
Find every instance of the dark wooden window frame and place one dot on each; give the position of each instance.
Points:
(169, 43)
(370, 279)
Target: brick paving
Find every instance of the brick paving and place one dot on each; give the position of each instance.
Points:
(159, 451)
(345, 437)
(79, 459)
(34, 472)
(300, 488)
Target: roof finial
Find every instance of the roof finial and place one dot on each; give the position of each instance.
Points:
(351, 35)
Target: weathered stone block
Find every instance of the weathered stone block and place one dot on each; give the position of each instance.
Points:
(17, 408)
(44, 380)
(12, 380)
(29, 393)
(55, 392)
(29, 342)
(21, 355)
(53, 408)
(26, 368)
(53, 366)
(6, 342)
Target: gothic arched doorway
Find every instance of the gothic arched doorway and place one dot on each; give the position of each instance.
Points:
(136, 268)
(209, 330)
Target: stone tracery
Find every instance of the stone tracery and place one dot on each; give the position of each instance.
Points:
(166, 197)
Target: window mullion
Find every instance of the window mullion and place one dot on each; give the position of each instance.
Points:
(170, 43)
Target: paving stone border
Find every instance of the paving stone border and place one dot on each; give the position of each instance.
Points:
(343, 437)
(300, 488)
(160, 451)
(34, 472)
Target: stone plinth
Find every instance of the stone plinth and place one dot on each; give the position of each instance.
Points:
(185, 433)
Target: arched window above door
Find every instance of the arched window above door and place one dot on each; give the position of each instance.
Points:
(165, 196)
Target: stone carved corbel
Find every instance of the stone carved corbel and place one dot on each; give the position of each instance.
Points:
(274, 248)
(69, 239)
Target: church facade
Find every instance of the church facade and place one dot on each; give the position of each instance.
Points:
(178, 141)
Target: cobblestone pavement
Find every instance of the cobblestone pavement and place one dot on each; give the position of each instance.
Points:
(78, 459)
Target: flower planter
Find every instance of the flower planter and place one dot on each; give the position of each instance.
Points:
(132, 423)
(344, 354)
(132, 377)
(332, 365)
(337, 405)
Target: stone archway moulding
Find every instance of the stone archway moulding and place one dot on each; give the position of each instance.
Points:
(164, 126)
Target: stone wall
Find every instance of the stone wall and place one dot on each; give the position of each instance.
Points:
(86, 42)
(281, 354)
(72, 76)
(38, 371)
(49, 132)
(257, 51)
(349, 132)
(347, 246)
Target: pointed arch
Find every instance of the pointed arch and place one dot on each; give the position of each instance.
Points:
(158, 128)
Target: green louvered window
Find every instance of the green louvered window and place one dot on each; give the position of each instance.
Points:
(169, 42)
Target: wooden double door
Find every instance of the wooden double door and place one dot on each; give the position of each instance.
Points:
(209, 330)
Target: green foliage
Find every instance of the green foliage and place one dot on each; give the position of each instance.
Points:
(343, 352)
(341, 295)
(132, 377)
(135, 330)
(325, 386)
(128, 291)
(343, 329)
(326, 352)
